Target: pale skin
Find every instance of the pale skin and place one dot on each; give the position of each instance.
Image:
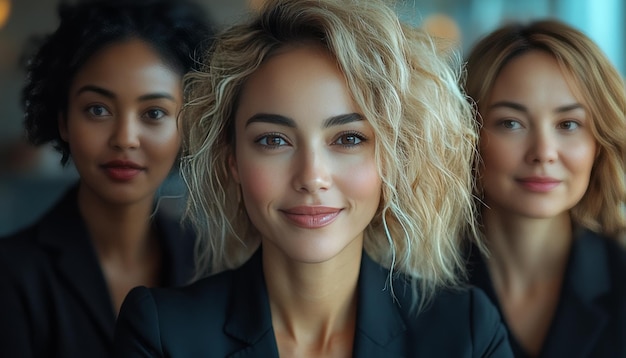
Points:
(304, 160)
(538, 151)
(122, 107)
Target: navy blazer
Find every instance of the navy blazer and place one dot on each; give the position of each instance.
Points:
(54, 301)
(590, 319)
(228, 315)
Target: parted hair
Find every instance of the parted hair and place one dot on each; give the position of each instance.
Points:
(175, 29)
(410, 93)
(603, 96)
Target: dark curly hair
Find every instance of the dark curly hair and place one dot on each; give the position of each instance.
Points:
(179, 31)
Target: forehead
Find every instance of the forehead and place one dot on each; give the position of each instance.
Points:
(535, 75)
(297, 81)
(129, 64)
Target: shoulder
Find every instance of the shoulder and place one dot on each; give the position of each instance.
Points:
(173, 319)
(464, 322)
(468, 309)
(592, 251)
(453, 323)
(617, 257)
(21, 250)
(202, 302)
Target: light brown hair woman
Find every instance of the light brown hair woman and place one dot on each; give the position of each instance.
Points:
(552, 189)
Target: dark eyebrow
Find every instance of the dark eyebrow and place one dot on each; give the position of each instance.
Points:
(96, 89)
(569, 107)
(507, 104)
(288, 122)
(522, 108)
(342, 119)
(111, 95)
(271, 118)
(158, 95)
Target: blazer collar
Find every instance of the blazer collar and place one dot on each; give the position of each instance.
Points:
(249, 319)
(177, 247)
(588, 270)
(378, 324)
(63, 234)
(580, 316)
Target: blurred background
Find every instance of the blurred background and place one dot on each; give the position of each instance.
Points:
(31, 179)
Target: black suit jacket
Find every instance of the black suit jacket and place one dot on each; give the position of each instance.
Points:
(590, 320)
(54, 301)
(228, 315)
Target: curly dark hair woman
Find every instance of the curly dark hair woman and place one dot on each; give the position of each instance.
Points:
(176, 30)
(106, 89)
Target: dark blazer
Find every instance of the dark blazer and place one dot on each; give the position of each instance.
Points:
(228, 315)
(590, 320)
(54, 301)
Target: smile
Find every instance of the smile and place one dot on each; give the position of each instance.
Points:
(311, 217)
(121, 170)
(539, 185)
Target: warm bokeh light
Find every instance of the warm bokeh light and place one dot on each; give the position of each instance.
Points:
(5, 10)
(444, 28)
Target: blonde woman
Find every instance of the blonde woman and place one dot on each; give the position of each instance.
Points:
(328, 157)
(553, 149)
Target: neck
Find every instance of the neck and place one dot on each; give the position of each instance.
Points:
(313, 304)
(526, 250)
(118, 231)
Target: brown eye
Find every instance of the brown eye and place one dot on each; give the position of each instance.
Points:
(154, 113)
(568, 125)
(350, 139)
(271, 140)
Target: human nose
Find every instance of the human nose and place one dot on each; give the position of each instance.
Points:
(543, 147)
(125, 133)
(312, 172)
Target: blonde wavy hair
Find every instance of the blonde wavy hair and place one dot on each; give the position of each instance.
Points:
(602, 92)
(410, 94)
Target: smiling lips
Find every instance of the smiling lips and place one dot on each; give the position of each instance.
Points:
(311, 217)
(539, 184)
(122, 170)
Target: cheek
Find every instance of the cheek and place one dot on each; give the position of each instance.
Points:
(581, 156)
(84, 140)
(360, 181)
(496, 155)
(257, 181)
(163, 143)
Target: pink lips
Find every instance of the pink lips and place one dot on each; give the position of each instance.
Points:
(539, 184)
(311, 217)
(122, 170)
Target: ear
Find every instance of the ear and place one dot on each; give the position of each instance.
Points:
(62, 124)
(234, 170)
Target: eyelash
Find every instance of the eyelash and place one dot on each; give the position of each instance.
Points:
(89, 110)
(360, 137)
(265, 136)
(145, 115)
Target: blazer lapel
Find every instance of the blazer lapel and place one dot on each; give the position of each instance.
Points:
(65, 236)
(250, 320)
(580, 318)
(379, 323)
(177, 242)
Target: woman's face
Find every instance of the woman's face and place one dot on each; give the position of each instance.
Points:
(536, 140)
(121, 122)
(304, 157)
